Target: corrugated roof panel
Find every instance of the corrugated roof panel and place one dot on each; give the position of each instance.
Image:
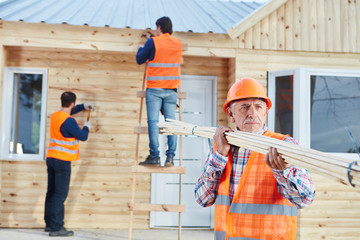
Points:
(200, 16)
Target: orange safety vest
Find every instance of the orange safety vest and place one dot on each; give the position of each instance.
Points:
(60, 147)
(257, 210)
(164, 70)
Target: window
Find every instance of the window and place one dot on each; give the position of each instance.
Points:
(23, 117)
(317, 106)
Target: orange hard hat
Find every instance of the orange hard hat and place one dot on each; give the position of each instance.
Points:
(246, 88)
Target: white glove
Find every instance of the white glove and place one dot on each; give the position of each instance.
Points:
(87, 124)
(89, 106)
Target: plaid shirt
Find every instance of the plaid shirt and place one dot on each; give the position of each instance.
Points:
(294, 184)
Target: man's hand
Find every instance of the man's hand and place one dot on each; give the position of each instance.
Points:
(147, 35)
(87, 124)
(222, 145)
(274, 160)
(89, 106)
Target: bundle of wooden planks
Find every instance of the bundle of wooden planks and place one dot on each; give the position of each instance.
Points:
(339, 169)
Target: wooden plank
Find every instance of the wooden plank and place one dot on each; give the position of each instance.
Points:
(256, 36)
(313, 25)
(248, 39)
(140, 94)
(141, 130)
(273, 30)
(305, 24)
(297, 35)
(265, 33)
(181, 95)
(337, 25)
(289, 25)
(254, 18)
(156, 207)
(329, 13)
(280, 28)
(352, 25)
(344, 21)
(320, 27)
(150, 169)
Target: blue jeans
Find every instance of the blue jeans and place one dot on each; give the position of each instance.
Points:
(157, 99)
(59, 172)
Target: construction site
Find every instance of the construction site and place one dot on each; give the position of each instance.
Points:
(308, 49)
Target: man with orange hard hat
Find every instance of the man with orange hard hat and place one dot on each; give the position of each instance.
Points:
(256, 196)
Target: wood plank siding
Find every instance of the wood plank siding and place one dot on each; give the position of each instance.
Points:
(307, 25)
(98, 64)
(101, 179)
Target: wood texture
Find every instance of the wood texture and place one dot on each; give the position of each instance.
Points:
(102, 176)
(321, 25)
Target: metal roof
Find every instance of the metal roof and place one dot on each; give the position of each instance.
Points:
(200, 16)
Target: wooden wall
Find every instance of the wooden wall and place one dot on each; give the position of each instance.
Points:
(100, 187)
(308, 25)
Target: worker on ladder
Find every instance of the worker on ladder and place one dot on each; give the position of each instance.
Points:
(164, 56)
(256, 196)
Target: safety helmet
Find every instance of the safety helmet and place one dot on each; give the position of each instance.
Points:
(246, 88)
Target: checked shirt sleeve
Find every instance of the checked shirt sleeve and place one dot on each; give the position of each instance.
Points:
(295, 184)
(208, 182)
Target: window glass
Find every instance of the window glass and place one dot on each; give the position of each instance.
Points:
(284, 105)
(335, 105)
(26, 113)
(23, 114)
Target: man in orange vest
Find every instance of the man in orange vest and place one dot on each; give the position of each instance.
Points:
(256, 196)
(164, 56)
(63, 149)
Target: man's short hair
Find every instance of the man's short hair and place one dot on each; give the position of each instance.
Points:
(165, 25)
(67, 98)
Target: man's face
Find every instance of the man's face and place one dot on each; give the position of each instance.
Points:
(249, 115)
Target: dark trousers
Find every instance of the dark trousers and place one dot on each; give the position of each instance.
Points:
(59, 172)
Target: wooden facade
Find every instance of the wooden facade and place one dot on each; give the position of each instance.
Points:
(99, 65)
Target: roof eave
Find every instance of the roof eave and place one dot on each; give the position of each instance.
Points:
(254, 18)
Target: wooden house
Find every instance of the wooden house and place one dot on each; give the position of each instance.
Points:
(304, 41)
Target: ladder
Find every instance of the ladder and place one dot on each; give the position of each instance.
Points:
(133, 206)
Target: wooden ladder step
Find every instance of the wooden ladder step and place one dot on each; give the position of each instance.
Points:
(149, 169)
(142, 94)
(148, 207)
(141, 130)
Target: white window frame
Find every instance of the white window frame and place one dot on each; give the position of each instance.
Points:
(7, 91)
(301, 101)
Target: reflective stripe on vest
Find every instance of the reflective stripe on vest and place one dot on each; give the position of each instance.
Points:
(161, 78)
(62, 149)
(223, 200)
(165, 65)
(69, 143)
(268, 209)
(221, 235)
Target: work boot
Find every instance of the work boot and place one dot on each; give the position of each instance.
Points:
(61, 233)
(151, 162)
(169, 161)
